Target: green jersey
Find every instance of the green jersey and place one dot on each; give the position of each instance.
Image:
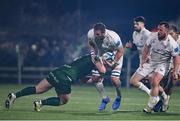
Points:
(79, 68)
(61, 77)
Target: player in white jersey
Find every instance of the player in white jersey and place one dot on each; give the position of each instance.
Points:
(140, 36)
(102, 40)
(161, 47)
(170, 82)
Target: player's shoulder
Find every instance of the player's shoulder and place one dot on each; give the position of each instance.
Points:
(153, 35)
(171, 40)
(112, 34)
(152, 38)
(146, 31)
(178, 41)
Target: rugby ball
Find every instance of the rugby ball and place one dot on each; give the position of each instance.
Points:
(108, 56)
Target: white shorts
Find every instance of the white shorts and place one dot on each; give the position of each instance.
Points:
(148, 68)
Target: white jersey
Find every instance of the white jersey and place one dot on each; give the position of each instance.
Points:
(139, 39)
(111, 42)
(161, 51)
(178, 41)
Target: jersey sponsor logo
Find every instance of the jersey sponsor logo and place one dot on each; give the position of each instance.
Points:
(176, 50)
(118, 43)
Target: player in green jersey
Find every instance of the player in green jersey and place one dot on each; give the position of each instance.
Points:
(60, 79)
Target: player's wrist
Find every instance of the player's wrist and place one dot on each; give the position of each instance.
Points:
(96, 59)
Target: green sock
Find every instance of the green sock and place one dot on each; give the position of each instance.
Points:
(52, 101)
(26, 91)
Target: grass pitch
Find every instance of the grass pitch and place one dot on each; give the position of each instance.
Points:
(83, 105)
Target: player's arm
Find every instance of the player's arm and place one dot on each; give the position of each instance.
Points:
(176, 61)
(119, 53)
(117, 57)
(92, 47)
(99, 64)
(131, 45)
(145, 54)
(146, 50)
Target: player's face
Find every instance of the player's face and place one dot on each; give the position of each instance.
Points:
(99, 35)
(162, 32)
(137, 26)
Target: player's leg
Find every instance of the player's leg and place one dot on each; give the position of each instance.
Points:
(115, 78)
(61, 99)
(63, 90)
(98, 81)
(41, 87)
(154, 98)
(139, 75)
(168, 90)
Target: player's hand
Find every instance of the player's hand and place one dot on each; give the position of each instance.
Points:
(96, 58)
(112, 64)
(175, 74)
(128, 45)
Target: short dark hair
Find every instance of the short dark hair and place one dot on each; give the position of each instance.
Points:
(100, 26)
(166, 24)
(173, 28)
(140, 19)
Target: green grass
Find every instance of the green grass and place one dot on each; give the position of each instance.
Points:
(83, 106)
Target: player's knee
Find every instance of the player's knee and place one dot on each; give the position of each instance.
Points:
(133, 81)
(39, 90)
(95, 79)
(116, 81)
(64, 99)
(42, 86)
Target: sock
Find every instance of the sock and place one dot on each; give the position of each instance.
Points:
(168, 89)
(26, 91)
(101, 90)
(143, 88)
(118, 91)
(164, 95)
(52, 101)
(153, 100)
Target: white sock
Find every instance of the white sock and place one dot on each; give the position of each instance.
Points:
(164, 95)
(144, 88)
(101, 90)
(153, 100)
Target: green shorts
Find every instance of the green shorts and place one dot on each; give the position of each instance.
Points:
(59, 81)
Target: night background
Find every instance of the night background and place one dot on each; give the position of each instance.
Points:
(48, 33)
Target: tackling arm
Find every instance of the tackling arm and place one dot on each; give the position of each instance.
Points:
(99, 64)
(93, 48)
